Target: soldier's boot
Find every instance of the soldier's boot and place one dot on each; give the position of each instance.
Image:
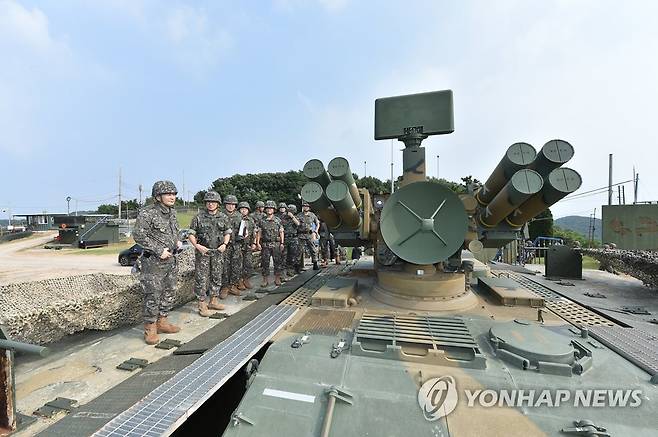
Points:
(241, 285)
(203, 309)
(277, 279)
(215, 304)
(234, 290)
(283, 277)
(315, 266)
(164, 327)
(150, 333)
(223, 293)
(246, 283)
(265, 282)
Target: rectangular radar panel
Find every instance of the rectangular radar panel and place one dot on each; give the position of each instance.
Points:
(428, 113)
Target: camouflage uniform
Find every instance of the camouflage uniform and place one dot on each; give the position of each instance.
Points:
(247, 254)
(156, 229)
(209, 230)
(292, 255)
(233, 253)
(270, 243)
(305, 235)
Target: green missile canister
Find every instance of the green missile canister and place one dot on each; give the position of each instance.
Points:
(551, 156)
(339, 169)
(559, 183)
(517, 157)
(521, 186)
(313, 193)
(338, 193)
(314, 170)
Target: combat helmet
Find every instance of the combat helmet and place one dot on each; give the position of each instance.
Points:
(282, 205)
(163, 187)
(212, 196)
(260, 204)
(292, 208)
(270, 204)
(230, 199)
(244, 204)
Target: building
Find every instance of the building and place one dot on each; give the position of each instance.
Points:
(38, 222)
(87, 230)
(632, 227)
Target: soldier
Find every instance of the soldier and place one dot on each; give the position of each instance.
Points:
(270, 243)
(209, 234)
(259, 213)
(248, 246)
(290, 226)
(308, 235)
(156, 230)
(325, 249)
(233, 254)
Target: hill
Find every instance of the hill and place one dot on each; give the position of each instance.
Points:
(580, 225)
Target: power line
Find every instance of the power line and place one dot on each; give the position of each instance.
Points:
(596, 190)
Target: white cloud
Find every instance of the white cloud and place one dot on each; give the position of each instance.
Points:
(327, 5)
(199, 45)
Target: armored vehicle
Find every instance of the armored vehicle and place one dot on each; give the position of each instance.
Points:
(425, 337)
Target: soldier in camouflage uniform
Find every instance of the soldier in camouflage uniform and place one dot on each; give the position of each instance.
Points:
(209, 234)
(282, 215)
(290, 228)
(156, 230)
(248, 246)
(309, 233)
(233, 254)
(270, 243)
(259, 214)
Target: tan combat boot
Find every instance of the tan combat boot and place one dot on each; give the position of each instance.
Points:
(164, 327)
(215, 304)
(150, 333)
(234, 290)
(277, 279)
(246, 283)
(265, 282)
(223, 293)
(203, 309)
(240, 285)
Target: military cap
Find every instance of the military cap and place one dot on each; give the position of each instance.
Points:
(230, 199)
(244, 204)
(282, 205)
(163, 187)
(270, 204)
(212, 196)
(260, 204)
(292, 208)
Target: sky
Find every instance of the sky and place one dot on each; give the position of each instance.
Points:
(196, 90)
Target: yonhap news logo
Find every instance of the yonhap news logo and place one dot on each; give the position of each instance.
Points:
(438, 397)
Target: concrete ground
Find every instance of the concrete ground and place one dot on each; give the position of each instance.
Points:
(26, 260)
(83, 366)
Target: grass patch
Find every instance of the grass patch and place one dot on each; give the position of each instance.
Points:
(590, 263)
(185, 218)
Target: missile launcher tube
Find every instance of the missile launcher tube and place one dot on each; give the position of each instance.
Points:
(521, 186)
(517, 157)
(313, 193)
(314, 170)
(339, 194)
(551, 156)
(559, 183)
(339, 169)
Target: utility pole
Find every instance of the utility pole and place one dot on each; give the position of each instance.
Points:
(437, 166)
(183, 187)
(623, 194)
(610, 179)
(68, 205)
(637, 185)
(392, 183)
(618, 194)
(119, 193)
(140, 194)
(365, 166)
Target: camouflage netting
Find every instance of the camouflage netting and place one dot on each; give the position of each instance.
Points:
(45, 311)
(640, 264)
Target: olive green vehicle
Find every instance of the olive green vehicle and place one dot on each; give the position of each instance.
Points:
(427, 339)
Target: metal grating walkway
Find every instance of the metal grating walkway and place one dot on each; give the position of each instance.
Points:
(425, 339)
(168, 406)
(569, 310)
(324, 322)
(302, 296)
(637, 346)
